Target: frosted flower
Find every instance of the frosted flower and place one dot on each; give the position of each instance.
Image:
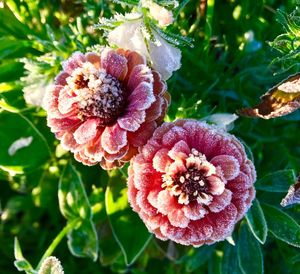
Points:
(161, 14)
(103, 107)
(191, 183)
(132, 34)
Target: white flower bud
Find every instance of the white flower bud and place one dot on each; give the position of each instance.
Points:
(164, 57)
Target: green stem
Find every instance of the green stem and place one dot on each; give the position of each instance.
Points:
(57, 240)
(209, 19)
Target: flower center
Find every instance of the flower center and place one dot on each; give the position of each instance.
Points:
(192, 184)
(100, 94)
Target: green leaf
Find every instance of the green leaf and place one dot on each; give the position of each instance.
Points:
(282, 226)
(196, 257)
(109, 249)
(73, 201)
(215, 262)
(127, 2)
(51, 265)
(21, 263)
(229, 261)
(278, 181)
(11, 71)
(74, 205)
(257, 222)
(249, 253)
(10, 24)
(83, 240)
(132, 241)
(24, 265)
(22, 146)
(11, 48)
(17, 250)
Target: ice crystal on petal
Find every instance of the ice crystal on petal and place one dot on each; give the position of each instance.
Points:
(197, 177)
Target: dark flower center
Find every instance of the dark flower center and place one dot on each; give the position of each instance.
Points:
(192, 183)
(100, 94)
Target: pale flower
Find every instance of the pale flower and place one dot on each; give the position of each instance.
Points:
(131, 35)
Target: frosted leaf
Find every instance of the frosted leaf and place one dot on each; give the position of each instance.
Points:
(293, 195)
(222, 120)
(18, 144)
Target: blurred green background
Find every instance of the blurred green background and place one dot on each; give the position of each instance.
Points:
(229, 67)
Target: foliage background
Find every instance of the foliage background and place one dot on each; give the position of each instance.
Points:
(227, 69)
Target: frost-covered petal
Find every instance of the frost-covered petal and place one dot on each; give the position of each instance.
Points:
(142, 135)
(229, 165)
(131, 121)
(161, 160)
(216, 185)
(115, 64)
(139, 74)
(179, 151)
(113, 138)
(220, 201)
(74, 62)
(129, 36)
(178, 219)
(87, 131)
(194, 211)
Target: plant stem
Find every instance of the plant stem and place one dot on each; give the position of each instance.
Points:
(209, 19)
(57, 240)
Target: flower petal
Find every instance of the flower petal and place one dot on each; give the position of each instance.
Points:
(221, 201)
(141, 98)
(161, 160)
(166, 202)
(179, 151)
(60, 79)
(93, 58)
(63, 124)
(178, 219)
(194, 211)
(73, 62)
(87, 131)
(114, 64)
(113, 139)
(216, 185)
(66, 102)
(142, 135)
(229, 165)
(131, 121)
(139, 74)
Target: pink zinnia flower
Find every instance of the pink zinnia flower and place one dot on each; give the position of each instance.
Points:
(103, 107)
(191, 183)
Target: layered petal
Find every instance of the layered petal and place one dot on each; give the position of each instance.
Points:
(197, 181)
